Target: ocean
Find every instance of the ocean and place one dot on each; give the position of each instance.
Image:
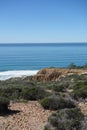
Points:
(27, 59)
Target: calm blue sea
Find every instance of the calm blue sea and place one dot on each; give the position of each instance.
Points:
(37, 56)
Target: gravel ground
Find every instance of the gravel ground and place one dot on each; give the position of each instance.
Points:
(27, 116)
(83, 107)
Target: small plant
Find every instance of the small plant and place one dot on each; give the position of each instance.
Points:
(72, 66)
(55, 103)
(80, 90)
(58, 88)
(33, 93)
(11, 92)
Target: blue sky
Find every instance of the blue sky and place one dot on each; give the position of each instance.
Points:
(43, 21)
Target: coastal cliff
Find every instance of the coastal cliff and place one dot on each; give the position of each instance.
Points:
(53, 74)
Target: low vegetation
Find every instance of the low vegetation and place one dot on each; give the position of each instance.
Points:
(55, 103)
(33, 93)
(80, 90)
(65, 119)
(73, 66)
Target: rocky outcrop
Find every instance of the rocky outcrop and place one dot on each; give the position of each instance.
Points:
(53, 74)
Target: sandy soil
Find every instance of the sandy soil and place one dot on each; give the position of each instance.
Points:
(83, 107)
(27, 116)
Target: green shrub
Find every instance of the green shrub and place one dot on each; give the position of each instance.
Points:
(72, 66)
(11, 92)
(33, 93)
(55, 103)
(81, 93)
(4, 103)
(65, 119)
(80, 90)
(58, 88)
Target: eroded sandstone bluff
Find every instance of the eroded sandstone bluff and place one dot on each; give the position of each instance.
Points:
(53, 74)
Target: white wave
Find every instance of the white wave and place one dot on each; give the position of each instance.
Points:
(16, 73)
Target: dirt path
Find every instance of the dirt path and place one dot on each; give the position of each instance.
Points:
(31, 117)
(28, 116)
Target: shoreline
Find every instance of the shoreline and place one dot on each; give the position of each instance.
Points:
(4, 75)
(42, 73)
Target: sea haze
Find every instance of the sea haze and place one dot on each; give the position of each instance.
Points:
(26, 59)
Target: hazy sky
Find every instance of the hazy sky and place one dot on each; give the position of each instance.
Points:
(43, 21)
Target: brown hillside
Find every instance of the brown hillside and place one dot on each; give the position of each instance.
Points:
(52, 74)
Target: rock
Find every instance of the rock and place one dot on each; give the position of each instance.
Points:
(53, 74)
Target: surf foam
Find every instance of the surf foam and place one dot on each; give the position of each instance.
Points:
(16, 73)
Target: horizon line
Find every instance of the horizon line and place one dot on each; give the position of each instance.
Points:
(42, 42)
